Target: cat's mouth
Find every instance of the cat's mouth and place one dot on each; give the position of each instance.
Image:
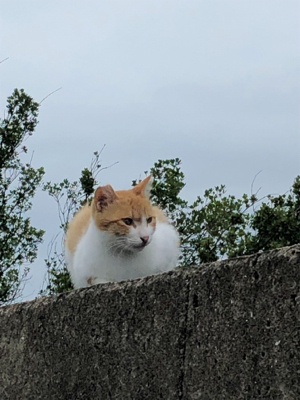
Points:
(139, 246)
(144, 243)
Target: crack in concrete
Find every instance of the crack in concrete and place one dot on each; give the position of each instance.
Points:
(184, 334)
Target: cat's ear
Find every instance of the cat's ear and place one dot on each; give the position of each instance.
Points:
(144, 187)
(104, 195)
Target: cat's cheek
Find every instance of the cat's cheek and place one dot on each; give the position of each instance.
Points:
(133, 236)
(152, 229)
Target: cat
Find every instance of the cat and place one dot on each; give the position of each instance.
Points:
(120, 236)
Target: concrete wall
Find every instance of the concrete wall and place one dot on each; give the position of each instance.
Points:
(227, 330)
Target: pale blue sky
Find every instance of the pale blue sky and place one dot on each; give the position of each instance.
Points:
(215, 83)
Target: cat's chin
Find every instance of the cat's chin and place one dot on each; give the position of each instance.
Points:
(134, 249)
(129, 251)
(138, 247)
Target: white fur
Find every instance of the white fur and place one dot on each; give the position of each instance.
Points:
(95, 256)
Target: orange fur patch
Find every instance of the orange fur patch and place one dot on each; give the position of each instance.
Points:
(90, 280)
(77, 227)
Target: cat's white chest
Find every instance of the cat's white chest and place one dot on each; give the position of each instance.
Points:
(96, 261)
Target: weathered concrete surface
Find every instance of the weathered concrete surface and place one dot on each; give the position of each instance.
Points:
(227, 330)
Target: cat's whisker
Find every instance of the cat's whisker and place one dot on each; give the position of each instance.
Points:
(117, 247)
(124, 249)
(114, 247)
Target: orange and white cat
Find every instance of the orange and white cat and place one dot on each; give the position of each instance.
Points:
(120, 236)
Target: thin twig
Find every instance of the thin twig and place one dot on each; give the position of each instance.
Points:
(4, 60)
(252, 184)
(254, 181)
(49, 95)
(101, 169)
(100, 152)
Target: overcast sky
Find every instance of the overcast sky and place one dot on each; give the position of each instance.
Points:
(215, 83)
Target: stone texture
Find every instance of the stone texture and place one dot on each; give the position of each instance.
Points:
(243, 327)
(226, 330)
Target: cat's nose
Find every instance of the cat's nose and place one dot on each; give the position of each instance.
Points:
(144, 239)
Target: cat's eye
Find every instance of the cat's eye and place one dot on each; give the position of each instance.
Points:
(149, 220)
(128, 221)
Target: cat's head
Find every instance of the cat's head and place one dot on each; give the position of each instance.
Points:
(127, 215)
